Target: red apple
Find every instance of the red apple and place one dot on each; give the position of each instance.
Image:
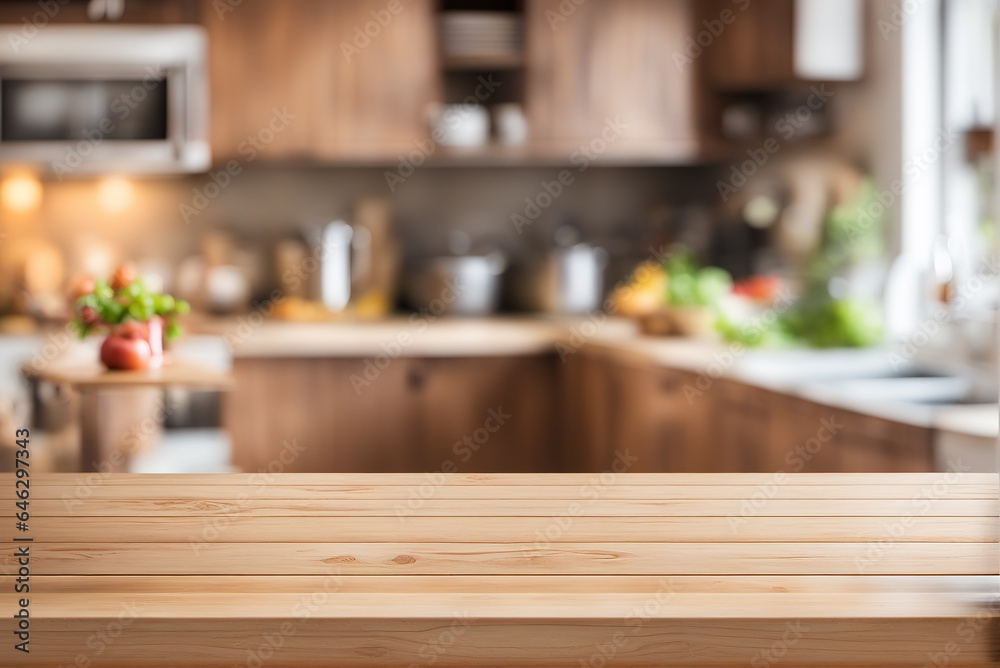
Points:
(126, 348)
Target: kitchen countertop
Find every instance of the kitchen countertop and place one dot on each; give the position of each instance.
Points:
(396, 337)
(792, 372)
(800, 373)
(781, 371)
(651, 569)
(786, 371)
(978, 420)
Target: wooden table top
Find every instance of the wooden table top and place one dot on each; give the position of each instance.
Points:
(95, 376)
(486, 570)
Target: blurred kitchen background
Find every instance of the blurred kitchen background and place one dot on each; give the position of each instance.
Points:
(514, 235)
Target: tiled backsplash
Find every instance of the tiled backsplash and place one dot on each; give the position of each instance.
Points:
(167, 215)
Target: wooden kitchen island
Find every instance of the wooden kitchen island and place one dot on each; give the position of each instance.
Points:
(507, 570)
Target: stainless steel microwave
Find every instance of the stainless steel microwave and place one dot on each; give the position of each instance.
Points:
(104, 99)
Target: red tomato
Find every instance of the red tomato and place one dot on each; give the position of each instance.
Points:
(763, 288)
(123, 276)
(126, 348)
(89, 315)
(81, 285)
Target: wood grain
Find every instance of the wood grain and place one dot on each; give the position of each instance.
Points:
(321, 414)
(96, 376)
(610, 60)
(252, 481)
(244, 529)
(349, 102)
(579, 507)
(439, 558)
(506, 492)
(462, 641)
(509, 569)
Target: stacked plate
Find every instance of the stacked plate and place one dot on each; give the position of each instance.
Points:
(481, 34)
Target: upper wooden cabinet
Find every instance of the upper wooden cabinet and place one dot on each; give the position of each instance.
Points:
(33, 13)
(352, 80)
(319, 80)
(606, 73)
(751, 45)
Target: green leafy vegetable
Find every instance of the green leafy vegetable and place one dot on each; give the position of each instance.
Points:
(691, 285)
(105, 308)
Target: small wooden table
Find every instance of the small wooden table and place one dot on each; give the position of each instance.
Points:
(509, 570)
(120, 411)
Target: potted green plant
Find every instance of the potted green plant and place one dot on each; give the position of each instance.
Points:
(135, 321)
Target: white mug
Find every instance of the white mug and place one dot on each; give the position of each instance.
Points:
(511, 124)
(460, 125)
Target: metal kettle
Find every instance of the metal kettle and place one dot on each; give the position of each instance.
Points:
(566, 279)
(335, 245)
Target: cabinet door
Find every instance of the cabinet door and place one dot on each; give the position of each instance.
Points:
(317, 415)
(661, 422)
(808, 437)
(871, 444)
(747, 425)
(825, 439)
(266, 56)
(375, 102)
(486, 414)
(642, 429)
(690, 421)
(588, 390)
(353, 78)
(746, 45)
(593, 62)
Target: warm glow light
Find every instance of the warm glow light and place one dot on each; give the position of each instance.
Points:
(21, 194)
(114, 194)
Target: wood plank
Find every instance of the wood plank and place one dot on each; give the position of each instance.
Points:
(756, 493)
(588, 507)
(195, 531)
(966, 586)
(650, 571)
(95, 375)
(888, 558)
(331, 604)
(255, 480)
(459, 641)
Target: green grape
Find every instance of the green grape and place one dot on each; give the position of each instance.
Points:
(163, 304)
(141, 309)
(133, 290)
(103, 291)
(172, 330)
(182, 307)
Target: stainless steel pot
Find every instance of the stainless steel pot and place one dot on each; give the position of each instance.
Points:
(467, 285)
(567, 280)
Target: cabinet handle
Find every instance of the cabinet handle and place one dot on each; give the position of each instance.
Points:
(669, 384)
(416, 379)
